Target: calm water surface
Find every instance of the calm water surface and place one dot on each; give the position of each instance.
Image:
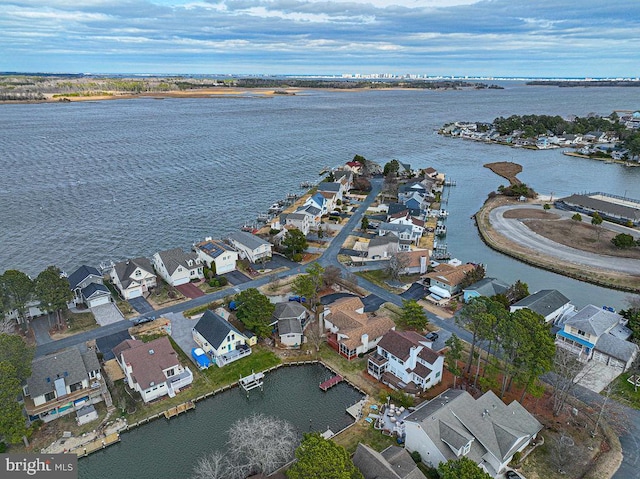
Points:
(95, 181)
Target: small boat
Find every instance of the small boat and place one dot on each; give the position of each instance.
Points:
(275, 208)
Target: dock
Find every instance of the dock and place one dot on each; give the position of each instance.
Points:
(329, 383)
(97, 444)
(180, 408)
(254, 380)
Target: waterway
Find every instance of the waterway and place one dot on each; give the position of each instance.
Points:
(170, 448)
(96, 181)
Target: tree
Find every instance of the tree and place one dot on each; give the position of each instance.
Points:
(255, 310)
(453, 355)
(623, 241)
(391, 167)
(576, 218)
(332, 274)
(364, 224)
(473, 276)
(463, 468)
(413, 316)
(18, 291)
(294, 243)
(319, 458)
(596, 220)
(474, 316)
(567, 372)
(15, 368)
(397, 265)
(546, 207)
(216, 465)
(309, 286)
(53, 291)
(517, 291)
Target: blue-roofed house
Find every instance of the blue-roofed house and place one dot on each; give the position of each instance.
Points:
(218, 253)
(220, 339)
(318, 201)
(87, 285)
(487, 287)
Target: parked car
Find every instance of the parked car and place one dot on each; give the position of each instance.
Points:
(299, 299)
(143, 319)
(432, 336)
(512, 475)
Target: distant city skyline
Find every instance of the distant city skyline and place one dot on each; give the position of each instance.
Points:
(485, 38)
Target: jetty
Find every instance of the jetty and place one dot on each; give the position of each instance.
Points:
(254, 380)
(180, 408)
(329, 383)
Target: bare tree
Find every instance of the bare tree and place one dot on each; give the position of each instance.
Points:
(396, 265)
(567, 372)
(216, 466)
(312, 332)
(561, 452)
(331, 275)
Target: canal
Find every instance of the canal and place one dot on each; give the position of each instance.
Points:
(170, 448)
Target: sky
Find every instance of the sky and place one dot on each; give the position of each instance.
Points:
(514, 38)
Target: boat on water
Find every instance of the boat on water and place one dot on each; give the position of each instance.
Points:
(275, 208)
(307, 184)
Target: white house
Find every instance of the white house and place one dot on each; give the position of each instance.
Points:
(383, 247)
(133, 277)
(216, 252)
(250, 246)
(445, 279)
(177, 266)
(485, 430)
(405, 361)
(299, 220)
(290, 318)
(549, 303)
(87, 285)
(335, 187)
(153, 369)
(219, 339)
(62, 383)
(318, 201)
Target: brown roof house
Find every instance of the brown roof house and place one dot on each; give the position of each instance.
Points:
(445, 280)
(350, 330)
(153, 369)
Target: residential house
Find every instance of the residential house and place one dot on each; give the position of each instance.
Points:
(549, 303)
(217, 253)
(485, 430)
(133, 277)
(220, 339)
(298, 220)
(445, 279)
(353, 166)
(405, 234)
(334, 187)
(383, 247)
(394, 208)
(595, 333)
(487, 287)
(416, 201)
(177, 266)
(250, 246)
(392, 463)
(152, 369)
(416, 261)
(345, 177)
(430, 172)
(416, 224)
(290, 319)
(405, 361)
(318, 201)
(88, 287)
(350, 330)
(62, 383)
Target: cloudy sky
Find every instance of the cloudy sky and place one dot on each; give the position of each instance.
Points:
(553, 38)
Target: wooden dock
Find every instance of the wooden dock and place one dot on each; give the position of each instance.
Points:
(180, 408)
(329, 383)
(97, 444)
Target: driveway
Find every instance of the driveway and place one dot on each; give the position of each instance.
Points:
(276, 261)
(372, 303)
(181, 331)
(416, 291)
(330, 298)
(40, 327)
(596, 376)
(107, 314)
(236, 277)
(190, 290)
(141, 305)
(107, 343)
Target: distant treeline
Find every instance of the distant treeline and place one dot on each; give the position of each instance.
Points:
(533, 125)
(26, 96)
(584, 83)
(353, 84)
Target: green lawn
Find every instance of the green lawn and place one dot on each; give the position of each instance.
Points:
(333, 359)
(79, 322)
(625, 392)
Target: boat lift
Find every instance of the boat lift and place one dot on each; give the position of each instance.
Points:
(254, 380)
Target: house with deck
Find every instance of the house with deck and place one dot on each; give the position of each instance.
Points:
(549, 303)
(351, 331)
(133, 278)
(405, 361)
(217, 253)
(485, 430)
(250, 246)
(445, 280)
(290, 319)
(177, 266)
(87, 284)
(299, 220)
(220, 339)
(405, 234)
(598, 334)
(62, 383)
(152, 369)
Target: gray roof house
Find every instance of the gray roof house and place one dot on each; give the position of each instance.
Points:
(177, 266)
(133, 277)
(291, 318)
(250, 246)
(392, 463)
(485, 430)
(550, 303)
(87, 285)
(485, 287)
(220, 339)
(381, 247)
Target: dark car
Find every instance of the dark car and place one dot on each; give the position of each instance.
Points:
(143, 319)
(512, 475)
(432, 336)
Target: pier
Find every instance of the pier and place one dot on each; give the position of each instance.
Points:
(97, 444)
(254, 380)
(180, 408)
(329, 383)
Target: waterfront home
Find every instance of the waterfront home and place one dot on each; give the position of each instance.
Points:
(392, 463)
(383, 247)
(152, 369)
(318, 201)
(63, 382)
(487, 287)
(405, 361)
(417, 225)
(416, 201)
(217, 253)
(220, 339)
(133, 277)
(485, 430)
(394, 208)
(250, 246)
(334, 187)
(298, 220)
(88, 287)
(351, 331)
(177, 266)
(345, 177)
(548, 303)
(353, 166)
(415, 261)
(405, 234)
(290, 319)
(595, 333)
(445, 279)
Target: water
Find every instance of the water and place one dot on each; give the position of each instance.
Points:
(96, 181)
(171, 448)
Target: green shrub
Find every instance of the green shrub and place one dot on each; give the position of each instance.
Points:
(223, 281)
(297, 257)
(415, 455)
(3, 447)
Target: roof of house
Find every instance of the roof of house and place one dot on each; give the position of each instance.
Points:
(339, 174)
(249, 240)
(399, 343)
(383, 240)
(414, 257)
(616, 347)
(329, 186)
(430, 170)
(328, 194)
(95, 289)
(213, 248)
(149, 360)
(450, 274)
(543, 302)
(351, 323)
(602, 206)
(297, 216)
(214, 328)
(71, 364)
(289, 309)
(177, 257)
(593, 320)
(81, 274)
(395, 227)
(454, 417)
(289, 326)
(488, 287)
(318, 199)
(392, 463)
(124, 269)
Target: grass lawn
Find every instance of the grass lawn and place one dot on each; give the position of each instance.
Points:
(625, 392)
(79, 322)
(363, 432)
(333, 359)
